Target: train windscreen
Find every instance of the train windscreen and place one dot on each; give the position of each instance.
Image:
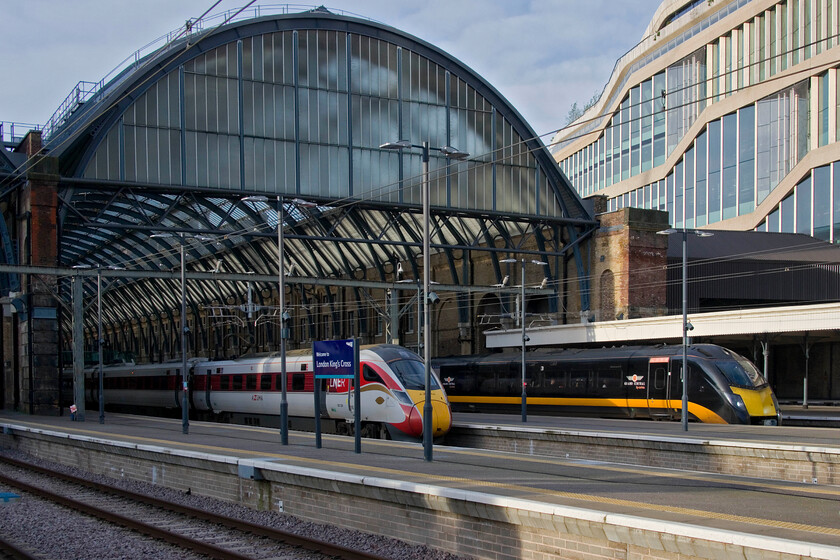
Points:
(412, 374)
(741, 372)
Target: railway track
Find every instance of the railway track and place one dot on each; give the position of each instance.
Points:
(13, 551)
(188, 528)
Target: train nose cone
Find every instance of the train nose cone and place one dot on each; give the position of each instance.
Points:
(441, 418)
(415, 422)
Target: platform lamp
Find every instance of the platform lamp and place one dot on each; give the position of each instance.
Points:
(686, 326)
(182, 237)
(524, 335)
(281, 302)
(428, 296)
(100, 341)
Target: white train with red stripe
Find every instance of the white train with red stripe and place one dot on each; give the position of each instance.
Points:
(248, 390)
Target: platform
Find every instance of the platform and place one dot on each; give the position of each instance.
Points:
(479, 503)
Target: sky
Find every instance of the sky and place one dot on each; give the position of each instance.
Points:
(542, 55)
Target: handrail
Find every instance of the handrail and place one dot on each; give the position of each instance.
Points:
(7, 131)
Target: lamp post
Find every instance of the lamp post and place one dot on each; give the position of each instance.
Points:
(100, 341)
(281, 302)
(686, 326)
(524, 335)
(450, 153)
(185, 413)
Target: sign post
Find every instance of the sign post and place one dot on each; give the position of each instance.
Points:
(337, 359)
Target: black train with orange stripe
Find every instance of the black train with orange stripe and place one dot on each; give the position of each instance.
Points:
(627, 382)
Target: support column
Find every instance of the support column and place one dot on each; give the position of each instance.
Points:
(37, 213)
(78, 349)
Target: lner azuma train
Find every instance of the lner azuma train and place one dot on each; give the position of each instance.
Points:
(248, 390)
(628, 382)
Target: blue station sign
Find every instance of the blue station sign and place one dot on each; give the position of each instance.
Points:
(334, 359)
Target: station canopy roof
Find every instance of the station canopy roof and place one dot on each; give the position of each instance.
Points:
(233, 121)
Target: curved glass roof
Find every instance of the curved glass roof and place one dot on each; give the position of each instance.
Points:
(297, 106)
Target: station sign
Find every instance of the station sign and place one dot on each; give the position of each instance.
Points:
(334, 359)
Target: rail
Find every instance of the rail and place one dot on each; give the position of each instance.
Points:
(13, 132)
(291, 539)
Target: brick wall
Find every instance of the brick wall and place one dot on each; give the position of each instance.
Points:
(628, 268)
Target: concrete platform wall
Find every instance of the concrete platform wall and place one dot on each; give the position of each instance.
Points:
(800, 463)
(464, 522)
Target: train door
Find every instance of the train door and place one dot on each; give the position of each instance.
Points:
(323, 387)
(208, 388)
(659, 388)
(351, 392)
(340, 391)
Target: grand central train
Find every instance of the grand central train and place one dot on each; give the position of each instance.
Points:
(248, 390)
(626, 382)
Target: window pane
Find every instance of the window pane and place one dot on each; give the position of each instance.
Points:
(822, 195)
(714, 172)
(746, 164)
(803, 207)
(729, 182)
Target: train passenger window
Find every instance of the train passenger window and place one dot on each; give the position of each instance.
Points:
(578, 381)
(534, 375)
(556, 381)
(659, 377)
(237, 382)
(369, 374)
(609, 378)
(298, 381)
(265, 382)
(251, 382)
(224, 385)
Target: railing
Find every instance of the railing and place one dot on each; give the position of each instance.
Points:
(87, 91)
(13, 132)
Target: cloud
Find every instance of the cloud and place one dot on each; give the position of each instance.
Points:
(543, 55)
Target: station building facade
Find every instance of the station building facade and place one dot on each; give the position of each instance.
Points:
(725, 115)
(194, 154)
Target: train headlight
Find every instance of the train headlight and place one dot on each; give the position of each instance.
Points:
(738, 402)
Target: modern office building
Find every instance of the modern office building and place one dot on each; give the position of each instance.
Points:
(725, 115)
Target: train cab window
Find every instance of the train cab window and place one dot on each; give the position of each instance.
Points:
(741, 373)
(412, 374)
(369, 374)
(237, 382)
(298, 381)
(265, 382)
(251, 382)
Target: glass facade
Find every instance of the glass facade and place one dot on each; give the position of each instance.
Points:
(726, 166)
(734, 163)
(303, 112)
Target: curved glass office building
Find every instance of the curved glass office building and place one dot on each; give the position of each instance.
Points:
(725, 114)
